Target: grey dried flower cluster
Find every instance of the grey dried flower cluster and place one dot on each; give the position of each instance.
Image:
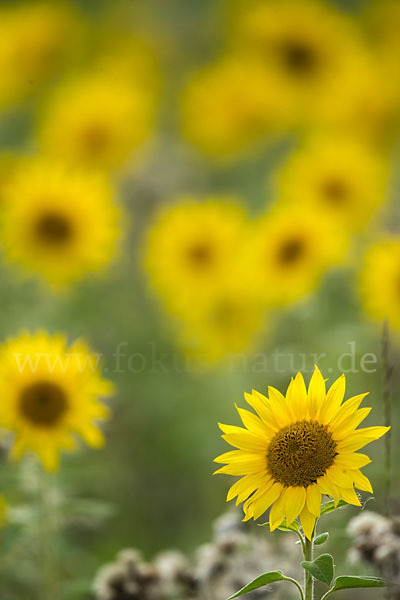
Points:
(219, 568)
(376, 540)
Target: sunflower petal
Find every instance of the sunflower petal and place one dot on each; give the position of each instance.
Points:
(362, 482)
(349, 496)
(314, 499)
(307, 520)
(352, 461)
(316, 392)
(333, 400)
(295, 499)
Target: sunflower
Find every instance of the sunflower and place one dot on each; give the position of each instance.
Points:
(50, 393)
(37, 37)
(289, 251)
(61, 223)
(230, 106)
(88, 121)
(340, 175)
(380, 280)
(312, 50)
(296, 449)
(229, 325)
(191, 249)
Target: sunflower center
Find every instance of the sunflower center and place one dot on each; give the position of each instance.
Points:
(95, 139)
(290, 251)
(298, 57)
(200, 254)
(53, 229)
(300, 453)
(334, 191)
(43, 403)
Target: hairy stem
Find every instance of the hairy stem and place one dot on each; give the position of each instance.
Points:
(308, 578)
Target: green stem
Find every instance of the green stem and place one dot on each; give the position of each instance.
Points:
(48, 535)
(308, 578)
(296, 583)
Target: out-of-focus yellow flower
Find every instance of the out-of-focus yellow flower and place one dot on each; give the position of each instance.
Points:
(289, 251)
(97, 119)
(50, 393)
(230, 106)
(130, 58)
(230, 325)
(313, 52)
(380, 281)
(380, 104)
(8, 164)
(191, 251)
(295, 449)
(59, 222)
(339, 175)
(37, 37)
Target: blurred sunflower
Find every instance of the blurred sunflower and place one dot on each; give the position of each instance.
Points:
(37, 37)
(289, 251)
(230, 106)
(231, 323)
(59, 222)
(191, 250)
(50, 393)
(312, 50)
(296, 449)
(380, 280)
(89, 120)
(8, 164)
(339, 175)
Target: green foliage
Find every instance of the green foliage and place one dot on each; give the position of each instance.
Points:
(346, 582)
(262, 580)
(321, 568)
(321, 539)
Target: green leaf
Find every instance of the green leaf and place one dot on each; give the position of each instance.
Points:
(350, 581)
(330, 506)
(262, 580)
(321, 539)
(321, 568)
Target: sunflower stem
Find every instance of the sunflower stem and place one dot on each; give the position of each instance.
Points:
(48, 534)
(308, 551)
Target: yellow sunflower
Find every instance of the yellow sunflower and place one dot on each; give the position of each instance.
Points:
(340, 175)
(37, 37)
(380, 281)
(90, 121)
(296, 449)
(229, 325)
(313, 51)
(59, 222)
(50, 393)
(230, 106)
(289, 251)
(191, 250)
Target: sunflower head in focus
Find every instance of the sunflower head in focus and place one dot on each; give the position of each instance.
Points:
(341, 176)
(90, 121)
(295, 449)
(59, 222)
(380, 281)
(312, 50)
(289, 251)
(191, 250)
(37, 37)
(230, 106)
(50, 394)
